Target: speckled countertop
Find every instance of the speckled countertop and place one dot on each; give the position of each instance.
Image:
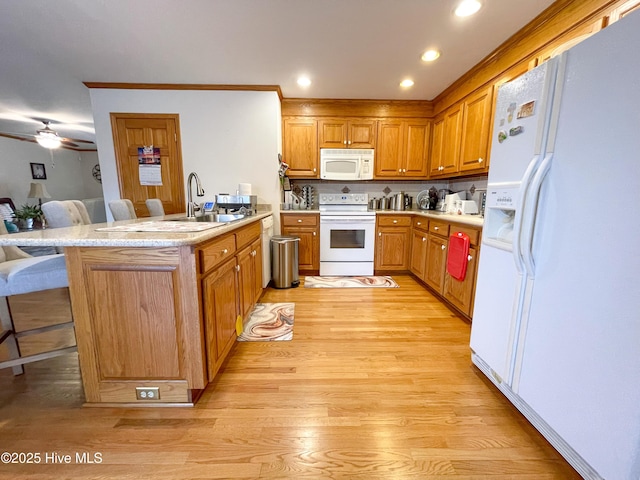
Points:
(474, 220)
(88, 236)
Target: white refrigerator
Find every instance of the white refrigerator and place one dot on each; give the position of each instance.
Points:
(556, 323)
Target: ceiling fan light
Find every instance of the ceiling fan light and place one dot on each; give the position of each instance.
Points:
(48, 140)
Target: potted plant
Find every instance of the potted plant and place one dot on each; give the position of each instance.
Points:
(26, 214)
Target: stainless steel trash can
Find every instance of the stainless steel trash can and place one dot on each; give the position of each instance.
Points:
(284, 261)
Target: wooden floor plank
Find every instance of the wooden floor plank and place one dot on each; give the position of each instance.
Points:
(376, 384)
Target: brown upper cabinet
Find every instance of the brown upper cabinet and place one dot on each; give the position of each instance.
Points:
(347, 133)
(461, 136)
(403, 148)
(446, 142)
(300, 146)
(459, 141)
(476, 128)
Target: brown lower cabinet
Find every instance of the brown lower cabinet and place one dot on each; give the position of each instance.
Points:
(392, 242)
(305, 226)
(174, 321)
(231, 284)
(429, 250)
(220, 290)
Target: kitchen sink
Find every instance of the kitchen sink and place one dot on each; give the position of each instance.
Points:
(211, 217)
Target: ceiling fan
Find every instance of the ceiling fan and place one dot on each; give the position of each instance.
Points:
(49, 138)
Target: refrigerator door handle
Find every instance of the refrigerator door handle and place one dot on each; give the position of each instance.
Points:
(533, 195)
(518, 257)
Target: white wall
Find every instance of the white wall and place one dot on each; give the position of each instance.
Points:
(228, 137)
(68, 172)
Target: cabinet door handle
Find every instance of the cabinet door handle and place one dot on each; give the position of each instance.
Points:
(469, 258)
(344, 142)
(237, 268)
(424, 239)
(436, 228)
(225, 251)
(404, 170)
(299, 220)
(442, 247)
(395, 221)
(379, 234)
(314, 170)
(480, 160)
(314, 234)
(399, 170)
(418, 223)
(349, 142)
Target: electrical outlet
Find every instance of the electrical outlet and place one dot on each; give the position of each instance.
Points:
(148, 393)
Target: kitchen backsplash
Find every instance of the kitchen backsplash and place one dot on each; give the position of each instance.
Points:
(378, 188)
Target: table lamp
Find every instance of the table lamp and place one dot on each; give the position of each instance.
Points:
(39, 191)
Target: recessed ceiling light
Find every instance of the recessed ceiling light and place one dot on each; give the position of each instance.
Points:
(467, 7)
(304, 81)
(430, 55)
(406, 83)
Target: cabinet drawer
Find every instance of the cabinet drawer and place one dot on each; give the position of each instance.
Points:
(247, 234)
(474, 234)
(216, 252)
(421, 223)
(394, 220)
(439, 228)
(310, 220)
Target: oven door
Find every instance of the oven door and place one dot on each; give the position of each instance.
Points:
(347, 238)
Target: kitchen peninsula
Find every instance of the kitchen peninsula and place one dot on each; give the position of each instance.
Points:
(155, 311)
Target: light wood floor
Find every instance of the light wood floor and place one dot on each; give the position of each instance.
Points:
(376, 384)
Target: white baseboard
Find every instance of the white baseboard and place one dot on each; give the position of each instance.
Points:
(576, 461)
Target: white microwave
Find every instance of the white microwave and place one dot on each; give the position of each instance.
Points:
(346, 164)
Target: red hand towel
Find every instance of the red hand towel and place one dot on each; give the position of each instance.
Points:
(457, 256)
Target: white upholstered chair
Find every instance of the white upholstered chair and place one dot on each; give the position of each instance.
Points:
(122, 209)
(154, 205)
(65, 213)
(21, 273)
(95, 209)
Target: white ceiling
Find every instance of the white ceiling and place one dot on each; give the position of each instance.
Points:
(349, 49)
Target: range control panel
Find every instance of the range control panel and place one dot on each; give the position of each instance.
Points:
(344, 199)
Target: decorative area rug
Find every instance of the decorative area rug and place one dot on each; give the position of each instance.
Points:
(269, 322)
(350, 282)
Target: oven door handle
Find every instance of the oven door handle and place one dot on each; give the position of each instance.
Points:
(350, 220)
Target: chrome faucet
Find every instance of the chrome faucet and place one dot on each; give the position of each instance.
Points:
(199, 192)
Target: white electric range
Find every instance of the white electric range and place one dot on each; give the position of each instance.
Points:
(347, 234)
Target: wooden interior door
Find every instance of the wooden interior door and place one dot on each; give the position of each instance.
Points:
(134, 130)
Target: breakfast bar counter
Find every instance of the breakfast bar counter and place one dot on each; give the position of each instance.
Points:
(152, 325)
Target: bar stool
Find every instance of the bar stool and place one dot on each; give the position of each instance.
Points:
(154, 205)
(122, 209)
(21, 273)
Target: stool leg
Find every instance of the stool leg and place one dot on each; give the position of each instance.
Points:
(11, 341)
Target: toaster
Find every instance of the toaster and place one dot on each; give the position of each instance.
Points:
(467, 207)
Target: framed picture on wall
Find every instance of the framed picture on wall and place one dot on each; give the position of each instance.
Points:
(38, 171)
